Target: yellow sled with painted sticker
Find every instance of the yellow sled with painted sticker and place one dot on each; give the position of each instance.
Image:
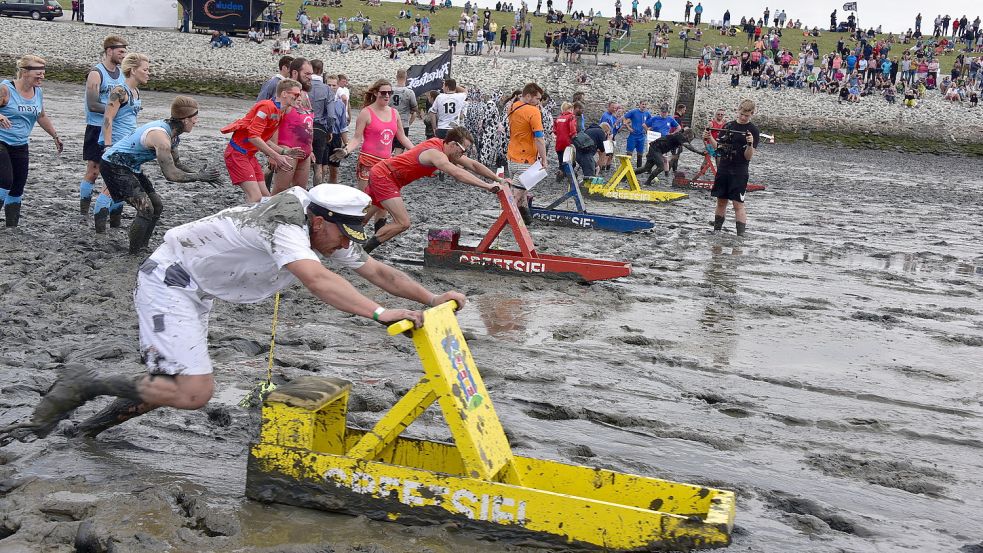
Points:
(612, 189)
(306, 456)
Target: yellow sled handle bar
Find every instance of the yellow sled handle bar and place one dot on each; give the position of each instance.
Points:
(405, 325)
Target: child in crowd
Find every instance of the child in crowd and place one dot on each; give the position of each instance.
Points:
(909, 97)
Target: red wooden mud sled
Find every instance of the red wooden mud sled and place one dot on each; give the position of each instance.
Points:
(444, 250)
(703, 179)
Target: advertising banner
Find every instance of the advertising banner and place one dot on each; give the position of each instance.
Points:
(132, 13)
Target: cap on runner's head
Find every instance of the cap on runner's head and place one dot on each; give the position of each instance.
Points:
(342, 205)
(183, 107)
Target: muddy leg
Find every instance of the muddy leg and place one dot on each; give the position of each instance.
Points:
(114, 414)
(143, 223)
(75, 386)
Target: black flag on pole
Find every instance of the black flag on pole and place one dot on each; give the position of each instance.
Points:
(850, 7)
(424, 78)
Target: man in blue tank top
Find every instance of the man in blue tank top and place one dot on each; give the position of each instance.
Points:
(102, 79)
(121, 167)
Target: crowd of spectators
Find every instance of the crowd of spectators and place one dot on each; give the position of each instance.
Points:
(905, 67)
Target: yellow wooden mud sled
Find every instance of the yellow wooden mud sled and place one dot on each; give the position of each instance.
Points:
(306, 456)
(625, 172)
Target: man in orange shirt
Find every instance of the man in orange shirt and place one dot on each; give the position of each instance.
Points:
(527, 143)
(252, 133)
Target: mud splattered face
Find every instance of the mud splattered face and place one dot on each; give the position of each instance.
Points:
(288, 98)
(190, 122)
(326, 237)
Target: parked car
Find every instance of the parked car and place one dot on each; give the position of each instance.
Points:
(36, 9)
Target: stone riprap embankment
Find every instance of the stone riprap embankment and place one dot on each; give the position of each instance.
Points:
(800, 111)
(188, 57)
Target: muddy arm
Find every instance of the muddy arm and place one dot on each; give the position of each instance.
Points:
(176, 155)
(160, 142)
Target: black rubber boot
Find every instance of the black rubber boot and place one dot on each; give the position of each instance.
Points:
(526, 215)
(116, 413)
(100, 219)
(11, 213)
(741, 228)
(639, 163)
(150, 233)
(371, 244)
(116, 218)
(138, 232)
(718, 222)
(73, 388)
(84, 205)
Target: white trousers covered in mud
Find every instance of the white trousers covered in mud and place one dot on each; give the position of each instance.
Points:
(173, 321)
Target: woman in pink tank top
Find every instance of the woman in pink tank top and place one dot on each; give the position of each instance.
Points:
(296, 130)
(376, 128)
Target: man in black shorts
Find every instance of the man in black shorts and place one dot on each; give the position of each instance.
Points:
(322, 97)
(736, 146)
(102, 78)
(656, 160)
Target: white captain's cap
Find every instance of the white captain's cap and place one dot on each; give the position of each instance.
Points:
(343, 205)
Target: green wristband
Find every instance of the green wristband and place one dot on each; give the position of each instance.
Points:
(378, 313)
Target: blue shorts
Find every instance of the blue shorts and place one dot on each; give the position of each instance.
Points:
(635, 144)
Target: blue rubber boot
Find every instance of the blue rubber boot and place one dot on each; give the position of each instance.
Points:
(85, 197)
(101, 212)
(11, 210)
(116, 214)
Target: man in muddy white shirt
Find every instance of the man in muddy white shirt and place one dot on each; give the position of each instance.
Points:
(241, 255)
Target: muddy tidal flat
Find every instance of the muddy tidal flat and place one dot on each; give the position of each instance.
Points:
(828, 366)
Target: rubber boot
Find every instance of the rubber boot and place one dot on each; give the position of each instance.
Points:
(138, 233)
(73, 388)
(116, 215)
(11, 213)
(526, 214)
(741, 228)
(371, 244)
(639, 157)
(85, 204)
(718, 222)
(100, 218)
(149, 233)
(116, 413)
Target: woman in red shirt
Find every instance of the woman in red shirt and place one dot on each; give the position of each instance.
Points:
(564, 127)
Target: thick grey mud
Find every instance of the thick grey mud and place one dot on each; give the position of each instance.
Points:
(827, 367)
